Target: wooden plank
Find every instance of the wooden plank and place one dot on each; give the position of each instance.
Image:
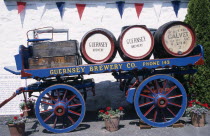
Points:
(52, 62)
(49, 49)
(143, 125)
(178, 125)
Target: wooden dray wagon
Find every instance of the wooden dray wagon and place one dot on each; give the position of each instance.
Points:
(159, 99)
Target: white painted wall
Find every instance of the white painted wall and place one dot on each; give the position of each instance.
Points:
(98, 13)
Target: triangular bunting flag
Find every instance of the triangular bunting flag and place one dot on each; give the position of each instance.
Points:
(120, 6)
(139, 7)
(157, 8)
(80, 8)
(21, 6)
(176, 5)
(41, 7)
(60, 6)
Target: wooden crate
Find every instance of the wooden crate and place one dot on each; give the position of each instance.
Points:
(52, 62)
(50, 49)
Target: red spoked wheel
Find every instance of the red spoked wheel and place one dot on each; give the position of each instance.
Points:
(60, 108)
(160, 100)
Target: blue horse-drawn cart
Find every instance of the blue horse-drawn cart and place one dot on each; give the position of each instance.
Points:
(159, 99)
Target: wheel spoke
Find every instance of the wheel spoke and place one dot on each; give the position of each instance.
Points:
(175, 96)
(58, 93)
(150, 109)
(72, 121)
(165, 83)
(155, 116)
(73, 112)
(171, 89)
(63, 121)
(157, 85)
(150, 89)
(51, 97)
(46, 111)
(49, 117)
(55, 122)
(71, 98)
(163, 114)
(175, 104)
(144, 104)
(47, 103)
(64, 96)
(74, 105)
(171, 112)
(147, 96)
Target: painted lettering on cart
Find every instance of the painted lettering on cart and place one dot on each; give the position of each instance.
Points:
(67, 70)
(156, 63)
(105, 67)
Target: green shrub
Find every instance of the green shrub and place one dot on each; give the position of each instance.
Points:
(198, 17)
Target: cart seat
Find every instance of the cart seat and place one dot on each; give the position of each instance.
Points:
(13, 70)
(38, 40)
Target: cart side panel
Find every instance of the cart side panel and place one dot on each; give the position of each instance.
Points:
(111, 67)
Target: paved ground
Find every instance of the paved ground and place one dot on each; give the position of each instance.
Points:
(128, 126)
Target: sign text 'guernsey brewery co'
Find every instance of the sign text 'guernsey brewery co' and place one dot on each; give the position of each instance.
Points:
(107, 67)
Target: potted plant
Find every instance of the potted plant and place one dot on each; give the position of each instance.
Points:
(111, 118)
(197, 111)
(27, 107)
(16, 125)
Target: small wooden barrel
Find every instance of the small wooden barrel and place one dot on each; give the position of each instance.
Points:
(135, 43)
(174, 39)
(98, 46)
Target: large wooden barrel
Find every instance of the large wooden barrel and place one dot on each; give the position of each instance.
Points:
(98, 46)
(135, 43)
(174, 39)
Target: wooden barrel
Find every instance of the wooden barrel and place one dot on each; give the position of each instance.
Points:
(98, 46)
(135, 43)
(174, 39)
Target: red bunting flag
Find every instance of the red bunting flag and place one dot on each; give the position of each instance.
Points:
(80, 8)
(139, 7)
(21, 6)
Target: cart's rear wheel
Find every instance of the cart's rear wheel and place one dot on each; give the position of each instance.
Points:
(60, 108)
(160, 100)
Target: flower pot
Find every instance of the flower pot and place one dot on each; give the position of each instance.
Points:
(17, 129)
(112, 124)
(198, 120)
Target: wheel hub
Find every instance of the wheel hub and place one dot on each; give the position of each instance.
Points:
(161, 101)
(60, 109)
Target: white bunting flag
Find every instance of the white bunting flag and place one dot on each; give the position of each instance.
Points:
(157, 7)
(41, 7)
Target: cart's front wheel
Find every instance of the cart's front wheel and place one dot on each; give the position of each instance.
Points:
(60, 108)
(160, 100)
